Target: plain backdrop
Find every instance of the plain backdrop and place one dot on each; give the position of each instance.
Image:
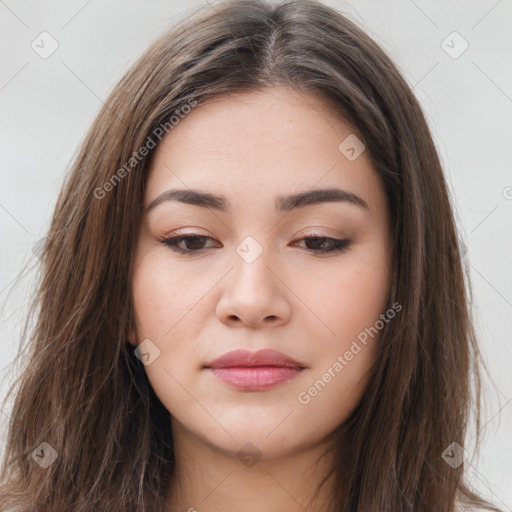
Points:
(463, 81)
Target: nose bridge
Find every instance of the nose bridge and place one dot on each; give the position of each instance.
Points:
(251, 263)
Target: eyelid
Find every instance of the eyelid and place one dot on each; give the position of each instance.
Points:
(180, 232)
(321, 233)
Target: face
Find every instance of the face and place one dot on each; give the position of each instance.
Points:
(305, 278)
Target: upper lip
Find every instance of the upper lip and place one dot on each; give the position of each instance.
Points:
(265, 357)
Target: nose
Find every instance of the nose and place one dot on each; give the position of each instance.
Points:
(254, 295)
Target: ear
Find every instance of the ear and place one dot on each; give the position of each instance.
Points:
(132, 338)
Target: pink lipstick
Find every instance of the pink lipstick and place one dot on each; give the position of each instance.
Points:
(255, 371)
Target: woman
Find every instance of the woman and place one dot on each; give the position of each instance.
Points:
(252, 294)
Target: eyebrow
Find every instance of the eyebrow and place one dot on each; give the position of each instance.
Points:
(283, 203)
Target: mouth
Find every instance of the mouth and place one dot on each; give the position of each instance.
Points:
(255, 371)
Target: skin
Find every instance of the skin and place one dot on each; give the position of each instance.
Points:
(252, 147)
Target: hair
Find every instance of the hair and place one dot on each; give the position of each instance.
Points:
(85, 393)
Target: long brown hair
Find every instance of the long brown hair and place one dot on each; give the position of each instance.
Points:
(85, 393)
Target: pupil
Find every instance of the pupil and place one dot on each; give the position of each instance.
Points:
(316, 240)
(194, 240)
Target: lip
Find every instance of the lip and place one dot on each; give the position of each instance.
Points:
(265, 357)
(255, 371)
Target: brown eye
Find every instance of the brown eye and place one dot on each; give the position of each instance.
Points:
(193, 243)
(323, 244)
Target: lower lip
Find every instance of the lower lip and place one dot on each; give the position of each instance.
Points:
(254, 378)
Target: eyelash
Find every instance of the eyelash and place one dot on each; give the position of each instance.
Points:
(338, 246)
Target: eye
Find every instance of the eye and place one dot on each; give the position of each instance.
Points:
(193, 240)
(324, 244)
(194, 243)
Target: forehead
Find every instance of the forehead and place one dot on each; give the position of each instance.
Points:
(261, 143)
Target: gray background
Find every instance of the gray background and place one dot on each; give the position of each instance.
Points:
(48, 104)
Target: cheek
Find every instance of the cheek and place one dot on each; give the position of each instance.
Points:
(163, 297)
(347, 296)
